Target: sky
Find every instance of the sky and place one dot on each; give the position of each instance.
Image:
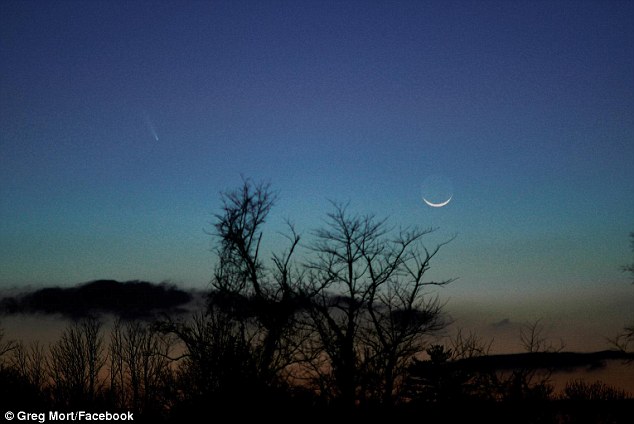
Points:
(121, 122)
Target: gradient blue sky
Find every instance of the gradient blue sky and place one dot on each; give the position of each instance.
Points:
(526, 107)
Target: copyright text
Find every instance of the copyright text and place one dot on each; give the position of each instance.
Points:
(42, 417)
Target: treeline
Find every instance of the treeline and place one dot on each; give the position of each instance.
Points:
(168, 371)
(341, 330)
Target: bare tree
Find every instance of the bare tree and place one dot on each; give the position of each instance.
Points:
(75, 362)
(533, 339)
(370, 307)
(400, 311)
(22, 375)
(468, 346)
(265, 297)
(139, 367)
(217, 362)
(30, 362)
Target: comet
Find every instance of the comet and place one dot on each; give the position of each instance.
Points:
(150, 126)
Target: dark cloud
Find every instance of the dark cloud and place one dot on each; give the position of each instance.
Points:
(131, 299)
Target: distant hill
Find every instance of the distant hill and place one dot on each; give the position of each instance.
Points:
(534, 360)
(130, 299)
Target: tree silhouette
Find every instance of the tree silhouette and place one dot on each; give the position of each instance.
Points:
(140, 376)
(31, 363)
(370, 309)
(265, 299)
(533, 340)
(75, 362)
(218, 368)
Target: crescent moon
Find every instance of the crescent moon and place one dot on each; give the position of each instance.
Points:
(438, 205)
